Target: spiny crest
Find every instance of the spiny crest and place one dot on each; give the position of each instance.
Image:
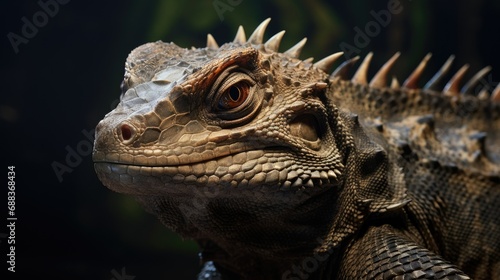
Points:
(273, 44)
(379, 80)
(452, 88)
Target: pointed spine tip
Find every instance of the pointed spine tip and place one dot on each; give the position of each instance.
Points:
(473, 82)
(395, 83)
(483, 94)
(296, 49)
(380, 79)
(361, 74)
(433, 83)
(274, 42)
(326, 63)
(411, 81)
(211, 43)
(452, 88)
(308, 60)
(342, 70)
(258, 34)
(240, 37)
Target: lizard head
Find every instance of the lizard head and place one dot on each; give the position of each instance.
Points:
(239, 116)
(235, 142)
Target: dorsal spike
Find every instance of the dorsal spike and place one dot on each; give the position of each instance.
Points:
(308, 60)
(453, 86)
(362, 72)
(240, 37)
(258, 33)
(313, 87)
(342, 71)
(469, 86)
(395, 83)
(380, 79)
(412, 80)
(211, 43)
(483, 94)
(274, 42)
(433, 83)
(495, 95)
(326, 63)
(296, 49)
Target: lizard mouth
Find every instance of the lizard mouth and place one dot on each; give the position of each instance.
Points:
(223, 154)
(271, 169)
(233, 169)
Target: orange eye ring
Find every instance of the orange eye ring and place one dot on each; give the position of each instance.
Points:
(234, 96)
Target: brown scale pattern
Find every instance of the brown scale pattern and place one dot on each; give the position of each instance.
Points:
(281, 171)
(381, 253)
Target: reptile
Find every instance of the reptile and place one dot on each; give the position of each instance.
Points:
(280, 168)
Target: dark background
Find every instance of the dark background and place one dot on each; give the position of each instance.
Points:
(67, 76)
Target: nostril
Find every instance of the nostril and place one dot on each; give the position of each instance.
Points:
(126, 132)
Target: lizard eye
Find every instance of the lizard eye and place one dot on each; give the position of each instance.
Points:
(234, 96)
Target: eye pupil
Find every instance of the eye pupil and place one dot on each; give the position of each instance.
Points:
(234, 93)
(234, 96)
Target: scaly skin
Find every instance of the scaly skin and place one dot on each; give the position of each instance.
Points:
(281, 171)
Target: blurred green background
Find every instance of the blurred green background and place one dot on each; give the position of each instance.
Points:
(66, 77)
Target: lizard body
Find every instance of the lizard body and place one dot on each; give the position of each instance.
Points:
(280, 170)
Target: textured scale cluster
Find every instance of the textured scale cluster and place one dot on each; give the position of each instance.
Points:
(169, 130)
(269, 162)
